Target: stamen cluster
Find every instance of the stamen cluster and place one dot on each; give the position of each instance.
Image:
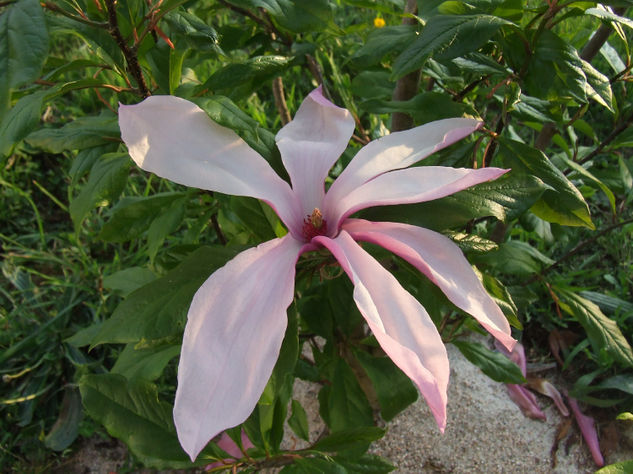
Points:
(314, 225)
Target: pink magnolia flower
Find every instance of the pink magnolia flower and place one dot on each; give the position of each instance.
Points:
(237, 318)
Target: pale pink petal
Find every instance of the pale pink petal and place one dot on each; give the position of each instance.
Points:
(175, 139)
(229, 446)
(411, 185)
(401, 325)
(311, 143)
(235, 326)
(398, 150)
(443, 263)
(544, 387)
(588, 430)
(526, 401)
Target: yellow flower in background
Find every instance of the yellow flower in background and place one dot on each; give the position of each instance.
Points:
(379, 22)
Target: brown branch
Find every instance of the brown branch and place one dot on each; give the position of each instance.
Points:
(130, 55)
(408, 85)
(280, 100)
(616, 131)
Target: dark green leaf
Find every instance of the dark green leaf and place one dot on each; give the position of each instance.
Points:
(297, 16)
(598, 86)
(84, 132)
(314, 466)
(425, 107)
(145, 363)
(366, 464)
(515, 258)
(298, 421)
(23, 46)
(563, 203)
(226, 113)
(447, 37)
(394, 389)
(347, 405)
(254, 72)
(383, 41)
(604, 14)
(603, 332)
(106, 181)
(349, 438)
(159, 309)
(133, 215)
(66, 428)
(127, 280)
(193, 30)
(494, 364)
(133, 413)
(163, 225)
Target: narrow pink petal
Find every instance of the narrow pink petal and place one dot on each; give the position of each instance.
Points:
(231, 448)
(401, 325)
(526, 401)
(443, 263)
(411, 185)
(235, 326)
(175, 139)
(544, 387)
(588, 430)
(398, 150)
(311, 143)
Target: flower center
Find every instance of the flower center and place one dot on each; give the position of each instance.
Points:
(314, 224)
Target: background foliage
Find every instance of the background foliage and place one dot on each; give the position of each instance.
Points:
(100, 260)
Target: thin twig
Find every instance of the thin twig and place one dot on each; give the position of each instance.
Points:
(57, 9)
(612, 136)
(280, 100)
(577, 249)
(130, 56)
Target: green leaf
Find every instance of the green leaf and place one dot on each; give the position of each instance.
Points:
(373, 85)
(609, 16)
(23, 46)
(163, 225)
(598, 86)
(81, 133)
(366, 464)
(127, 280)
(107, 179)
(298, 421)
(223, 111)
(425, 107)
(314, 465)
(383, 41)
(347, 405)
(585, 173)
(159, 309)
(623, 467)
(504, 198)
(188, 27)
(348, 438)
(22, 119)
(253, 72)
(133, 414)
(145, 363)
(514, 257)
(133, 215)
(66, 427)
(563, 203)
(554, 71)
(603, 332)
(447, 37)
(494, 364)
(394, 389)
(297, 16)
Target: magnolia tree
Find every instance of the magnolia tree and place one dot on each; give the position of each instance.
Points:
(330, 191)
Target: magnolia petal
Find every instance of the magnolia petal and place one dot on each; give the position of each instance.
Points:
(311, 143)
(235, 327)
(175, 139)
(398, 150)
(588, 430)
(231, 448)
(419, 184)
(544, 387)
(526, 401)
(401, 325)
(443, 263)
